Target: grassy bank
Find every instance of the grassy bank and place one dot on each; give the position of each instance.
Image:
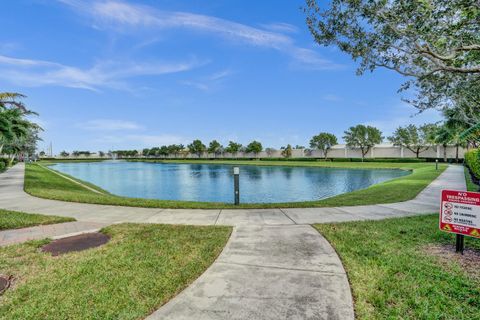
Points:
(291, 163)
(16, 220)
(395, 275)
(41, 182)
(141, 268)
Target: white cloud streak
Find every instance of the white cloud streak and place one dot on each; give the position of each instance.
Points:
(119, 15)
(280, 27)
(27, 72)
(331, 98)
(209, 82)
(109, 125)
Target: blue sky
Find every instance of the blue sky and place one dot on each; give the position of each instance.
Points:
(131, 74)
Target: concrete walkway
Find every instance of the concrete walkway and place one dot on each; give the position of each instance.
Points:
(54, 231)
(274, 266)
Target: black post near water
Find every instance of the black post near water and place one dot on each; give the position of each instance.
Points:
(460, 243)
(236, 184)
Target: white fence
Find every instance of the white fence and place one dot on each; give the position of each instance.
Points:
(338, 151)
(342, 151)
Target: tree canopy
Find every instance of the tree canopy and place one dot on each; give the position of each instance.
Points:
(415, 138)
(197, 147)
(363, 137)
(435, 44)
(175, 149)
(214, 147)
(233, 147)
(287, 151)
(254, 147)
(324, 142)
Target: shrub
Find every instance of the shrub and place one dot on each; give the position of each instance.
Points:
(5, 162)
(2, 166)
(472, 159)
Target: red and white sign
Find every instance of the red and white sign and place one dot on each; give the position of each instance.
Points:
(460, 212)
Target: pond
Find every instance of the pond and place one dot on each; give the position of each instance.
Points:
(214, 183)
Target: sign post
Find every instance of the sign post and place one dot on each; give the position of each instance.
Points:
(460, 214)
(236, 184)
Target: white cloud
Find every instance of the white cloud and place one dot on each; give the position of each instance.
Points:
(26, 62)
(280, 27)
(331, 98)
(27, 72)
(120, 15)
(109, 125)
(197, 85)
(209, 82)
(220, 75)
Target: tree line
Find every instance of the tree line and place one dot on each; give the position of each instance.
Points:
(415, 138)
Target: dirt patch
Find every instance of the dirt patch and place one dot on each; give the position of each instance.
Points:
(76, 243)
(469, 261)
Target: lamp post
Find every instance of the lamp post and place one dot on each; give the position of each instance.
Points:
(436, 164)
(236, 184)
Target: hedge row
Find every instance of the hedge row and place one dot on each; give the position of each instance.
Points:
(472, 159)
(3, 164)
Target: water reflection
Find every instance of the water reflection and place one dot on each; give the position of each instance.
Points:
(206, 182)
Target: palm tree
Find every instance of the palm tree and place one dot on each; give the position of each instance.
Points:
(443, 136)
(450, 133)
(10, 99)
(15, 131)
(465, 120)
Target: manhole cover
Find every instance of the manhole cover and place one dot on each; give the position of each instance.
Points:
(76, 243)
(4, 283)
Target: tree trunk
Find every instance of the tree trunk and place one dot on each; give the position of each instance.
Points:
(445, 153)
(456, 153)
(12, 158)
(364, 152)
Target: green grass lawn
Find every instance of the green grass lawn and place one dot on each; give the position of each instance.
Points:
(16, 220)
(42, 183)
(394, 276)
(141, 268)
(470, 185)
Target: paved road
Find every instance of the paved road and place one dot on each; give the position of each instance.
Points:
(275, 265)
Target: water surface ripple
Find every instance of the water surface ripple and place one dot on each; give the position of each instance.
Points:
(214, 183)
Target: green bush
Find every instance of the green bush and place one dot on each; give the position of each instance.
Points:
(472, 160)
(5, 162)
(2, 166)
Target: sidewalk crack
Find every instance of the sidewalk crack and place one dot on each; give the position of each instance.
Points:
(286, 215)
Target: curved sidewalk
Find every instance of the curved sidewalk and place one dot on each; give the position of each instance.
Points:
(275, 264)
(13, 197)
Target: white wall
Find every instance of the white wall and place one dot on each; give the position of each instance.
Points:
(338, 151)
(341, 151)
